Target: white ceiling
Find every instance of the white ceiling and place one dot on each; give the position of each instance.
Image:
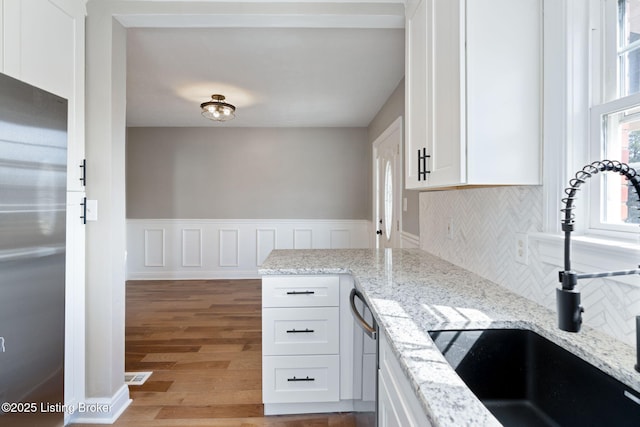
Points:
(276, 77)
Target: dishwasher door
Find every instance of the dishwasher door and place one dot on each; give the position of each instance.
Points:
(365, 364)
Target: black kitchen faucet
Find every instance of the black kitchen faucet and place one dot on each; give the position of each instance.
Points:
(567, 298)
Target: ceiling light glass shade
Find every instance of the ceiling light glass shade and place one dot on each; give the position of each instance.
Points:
(218, 110)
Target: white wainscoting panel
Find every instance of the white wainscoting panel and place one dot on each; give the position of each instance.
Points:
(192, 247)
(154, 247)
(302, 238)
(265, 243)
(210, 249)
(229, 248)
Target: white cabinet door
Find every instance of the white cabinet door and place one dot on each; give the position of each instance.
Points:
(390, 413)
(503, 86)
(41, 51)
(398, 405)
(434, 94)
(448, 160)
(418, 90)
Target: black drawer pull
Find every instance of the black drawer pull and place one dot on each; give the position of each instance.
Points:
(301, 379)
(295, 331)
(300, 292)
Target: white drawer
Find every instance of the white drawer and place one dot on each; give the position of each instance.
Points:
(300, 291)
(292, 331)
(294, 379)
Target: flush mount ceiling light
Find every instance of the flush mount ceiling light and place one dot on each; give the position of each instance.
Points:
(218, 110)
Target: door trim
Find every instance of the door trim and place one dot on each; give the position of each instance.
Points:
(396, 125)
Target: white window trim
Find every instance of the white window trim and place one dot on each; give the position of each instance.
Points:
(565, 102)
(567, 97)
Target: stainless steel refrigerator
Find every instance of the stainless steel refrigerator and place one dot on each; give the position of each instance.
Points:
(33, 170)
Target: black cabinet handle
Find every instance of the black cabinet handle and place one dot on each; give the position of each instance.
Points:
(83, 217)
(422, 164)
(83, 166)
(301, 379)
(300, 292)
(296, 331)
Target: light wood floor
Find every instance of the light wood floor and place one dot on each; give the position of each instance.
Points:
(202, 340)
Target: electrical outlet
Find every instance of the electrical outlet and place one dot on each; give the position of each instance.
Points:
(450, 229)
(522, 248)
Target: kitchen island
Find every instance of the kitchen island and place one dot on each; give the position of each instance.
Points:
(412, 292)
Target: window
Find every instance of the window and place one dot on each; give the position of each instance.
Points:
(388, 200)
(580, 106)
(628, 49)
(615, 113)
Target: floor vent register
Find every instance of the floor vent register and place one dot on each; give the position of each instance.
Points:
(136, 378)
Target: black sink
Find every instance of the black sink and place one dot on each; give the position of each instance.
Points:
(527, 380)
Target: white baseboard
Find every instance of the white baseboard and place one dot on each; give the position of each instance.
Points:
(196, 275)
(409, 240)
(308, 408)
(102, 410)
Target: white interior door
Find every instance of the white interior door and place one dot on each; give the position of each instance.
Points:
(387, 185)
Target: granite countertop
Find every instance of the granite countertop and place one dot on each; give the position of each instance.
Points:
(412, 292)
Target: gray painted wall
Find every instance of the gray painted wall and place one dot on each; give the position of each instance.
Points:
(248, 173)
(390, 111)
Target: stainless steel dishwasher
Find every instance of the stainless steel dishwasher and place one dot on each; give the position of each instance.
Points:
(365, 364)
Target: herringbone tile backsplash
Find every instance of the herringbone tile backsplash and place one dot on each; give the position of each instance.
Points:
(485, 222)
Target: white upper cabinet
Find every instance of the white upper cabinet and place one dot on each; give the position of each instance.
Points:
(43, 45)
(473, 93)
